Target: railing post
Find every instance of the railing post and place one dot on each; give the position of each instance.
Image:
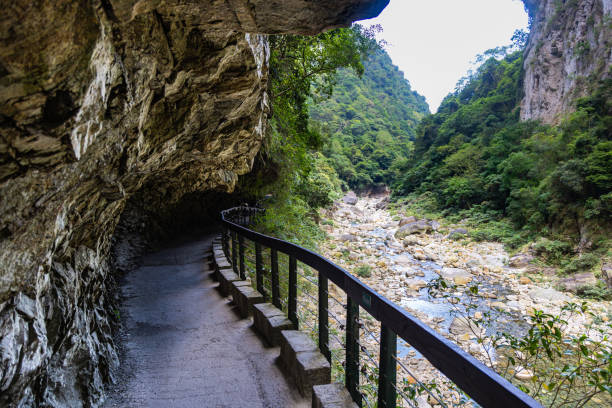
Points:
(323, 317)
(259, 270)
(235, 252)
(292, 305)
(387, 396)
(352, 350)
(275, 278)
(241, 250)
(224, 240)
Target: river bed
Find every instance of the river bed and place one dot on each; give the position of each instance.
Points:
(363, 233)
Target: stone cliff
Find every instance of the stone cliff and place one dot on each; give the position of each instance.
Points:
(107, 105)
(569, 49)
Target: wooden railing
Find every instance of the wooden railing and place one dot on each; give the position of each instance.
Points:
(478, 382)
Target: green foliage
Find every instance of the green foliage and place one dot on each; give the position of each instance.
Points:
(364, 271)
(559, 368)
(371, 120)
(582, 263)
(551, 250)
(599, 291)
(289, 170)
(476, 152)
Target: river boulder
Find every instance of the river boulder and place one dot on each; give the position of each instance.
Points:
(407, 220)
(578, 281)
(457, 275)
(520, 260)
(457, 233)
(350, 198)
(413, 228)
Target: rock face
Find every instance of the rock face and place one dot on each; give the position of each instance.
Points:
(568, 48)
(103, 104)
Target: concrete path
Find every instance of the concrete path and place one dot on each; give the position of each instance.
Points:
(185, 346)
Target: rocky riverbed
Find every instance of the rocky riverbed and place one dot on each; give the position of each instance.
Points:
(399, 256)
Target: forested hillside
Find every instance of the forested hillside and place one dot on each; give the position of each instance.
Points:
(521, 180)
(371, 121)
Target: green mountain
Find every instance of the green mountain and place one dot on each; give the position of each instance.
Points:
(371, 121)
(475, 157)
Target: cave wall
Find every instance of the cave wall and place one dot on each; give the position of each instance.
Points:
(103, 102)
(569, 49)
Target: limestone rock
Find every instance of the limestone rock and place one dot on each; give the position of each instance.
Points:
(548, 294)
(568, 43)
(413, 228)
(113, 114)
(522, 373)
(382, 204)
(520, 260)
(347, 238)
(407, 220)
(457, 233)
(606, 274)
(350, 198)
(458, 275)
(577, 281)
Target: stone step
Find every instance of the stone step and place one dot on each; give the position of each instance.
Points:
(270, 321)
(332, 396)
(245, 297)
(302, 360)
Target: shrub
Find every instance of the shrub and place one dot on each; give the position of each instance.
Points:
(553, 251)
(364, 271)
(583, 263)
(563, 369)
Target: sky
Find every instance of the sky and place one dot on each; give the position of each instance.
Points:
(436, 41)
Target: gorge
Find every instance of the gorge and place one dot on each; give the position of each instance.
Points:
(122, 121)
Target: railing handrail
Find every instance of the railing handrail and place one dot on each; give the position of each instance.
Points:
(481, 383)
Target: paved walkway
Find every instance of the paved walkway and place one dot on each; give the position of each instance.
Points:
(185, 346)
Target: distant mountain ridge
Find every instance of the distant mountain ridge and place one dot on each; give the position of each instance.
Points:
(371, 122)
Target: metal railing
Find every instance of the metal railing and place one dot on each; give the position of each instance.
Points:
(284, 287)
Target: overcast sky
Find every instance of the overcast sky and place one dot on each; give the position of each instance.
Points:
(435, 41)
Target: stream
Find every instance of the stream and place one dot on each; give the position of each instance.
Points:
(362, 232)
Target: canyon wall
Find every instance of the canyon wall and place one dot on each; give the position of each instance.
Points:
(102, 102)
(569, 49)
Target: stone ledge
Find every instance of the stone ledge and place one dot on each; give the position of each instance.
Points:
(312, 369)
(270, 321)
(221, 262)
(245, 297)
(226, 278)
(302, 360)
(331, 396)
(219, 255)
(234, 285)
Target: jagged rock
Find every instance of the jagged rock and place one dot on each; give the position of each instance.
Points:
(457, 233)
(382, 204)
(435, 225)
(606, 274)
(407, 220)
(520, 260)
(116, 110)
(461, 326)
(412, 228)
(577, 281)
(347, 238)
(568, 42)
(350, 198)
